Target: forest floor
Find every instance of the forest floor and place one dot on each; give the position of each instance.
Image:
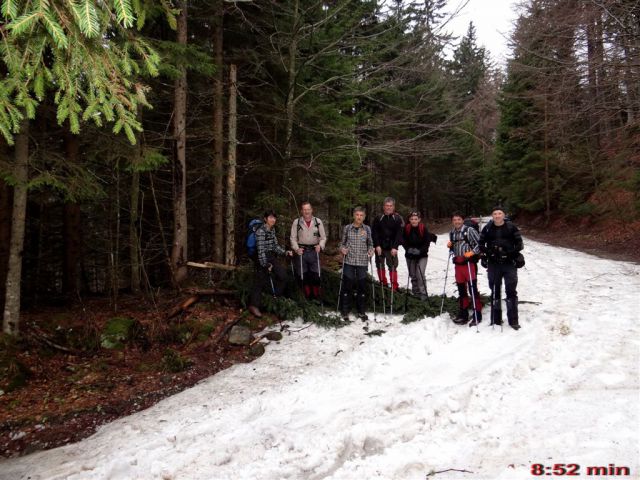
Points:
(67, 395)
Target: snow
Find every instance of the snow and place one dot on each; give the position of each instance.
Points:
(423, 397)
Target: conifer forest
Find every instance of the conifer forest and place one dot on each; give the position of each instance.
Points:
(139, 135)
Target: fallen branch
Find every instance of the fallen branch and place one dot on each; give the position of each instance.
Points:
(209, 291)
(447, 470)
(182, 306)
(221, 333)
(41, 337)
(212, 265)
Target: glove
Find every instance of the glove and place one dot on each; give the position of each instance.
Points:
(449, 244)
(468, 255)
(268, 267)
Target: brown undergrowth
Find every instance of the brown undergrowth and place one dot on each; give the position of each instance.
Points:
(64, 396)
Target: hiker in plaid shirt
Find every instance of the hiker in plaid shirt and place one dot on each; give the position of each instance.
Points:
(357, 248)
(267, 271)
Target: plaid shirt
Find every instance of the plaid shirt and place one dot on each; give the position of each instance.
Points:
(267, 245)
(465, 240)
(359, 242)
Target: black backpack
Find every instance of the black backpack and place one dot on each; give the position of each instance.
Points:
(316, 224)
(473, 223)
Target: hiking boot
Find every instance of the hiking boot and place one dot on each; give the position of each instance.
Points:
(363, 317)
(345, 316)
(515, 326)
(255, 311)
(462, 318)
(473, 322)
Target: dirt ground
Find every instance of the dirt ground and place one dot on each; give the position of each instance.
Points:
(67, 395)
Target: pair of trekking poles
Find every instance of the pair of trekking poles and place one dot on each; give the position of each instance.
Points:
(373, 289)
(473, 295)
(470, 286)
(302, 277)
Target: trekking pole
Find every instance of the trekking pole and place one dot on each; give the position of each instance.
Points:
(373, 290)
(273, 289)
(446, 275)
(473, 295)
(384, 305)
(391, 306)
(320, 286)
(293, 272)
(493, 324)
(406, 293)
(424, 282)
(497, 280)
(344, 257)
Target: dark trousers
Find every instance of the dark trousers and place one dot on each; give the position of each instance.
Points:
(353, 277)
(263, 279)
(307, 263)
(497, 272)
(392, 262)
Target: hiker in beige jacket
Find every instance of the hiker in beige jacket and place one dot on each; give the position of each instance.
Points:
(308, 239)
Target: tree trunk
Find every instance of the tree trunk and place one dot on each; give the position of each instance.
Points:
(11, 319)
(218, 136)
(6, 193)
(291, 87)
(72, 237)
(230, 254)
(179, 248)
(134, 244)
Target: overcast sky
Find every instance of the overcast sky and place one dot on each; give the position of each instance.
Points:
(493, 19)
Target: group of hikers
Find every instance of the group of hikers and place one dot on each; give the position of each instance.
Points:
(497, 247)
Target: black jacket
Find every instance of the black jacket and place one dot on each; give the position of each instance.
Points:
(501, 244)
(387, 231)
(416, 241)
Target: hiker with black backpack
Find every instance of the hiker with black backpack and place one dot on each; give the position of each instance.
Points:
(387, 237)
(267, 270)
(465, 247)
(308, 239)
(416, 239)
(357, 247)
(501, 244)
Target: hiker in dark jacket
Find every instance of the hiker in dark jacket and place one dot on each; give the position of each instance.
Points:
(387, 237)
(465, 248)
(501, 243)
(416, 239)
(267, 271)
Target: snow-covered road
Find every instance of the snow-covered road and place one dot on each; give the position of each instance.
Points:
(428, 396)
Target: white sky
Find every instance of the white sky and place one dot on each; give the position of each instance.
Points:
(494, 21)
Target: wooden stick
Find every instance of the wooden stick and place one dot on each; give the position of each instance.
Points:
(213, 265)
(448, 470)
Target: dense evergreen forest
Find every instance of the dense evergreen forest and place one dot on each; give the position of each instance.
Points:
(138, 135)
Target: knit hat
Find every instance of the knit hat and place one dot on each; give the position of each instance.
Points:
(498, 207)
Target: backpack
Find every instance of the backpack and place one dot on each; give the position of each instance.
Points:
(250, 242)
(518, 261)
(465, 233)
(407, 229)
(316, 224)
(473, 223)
